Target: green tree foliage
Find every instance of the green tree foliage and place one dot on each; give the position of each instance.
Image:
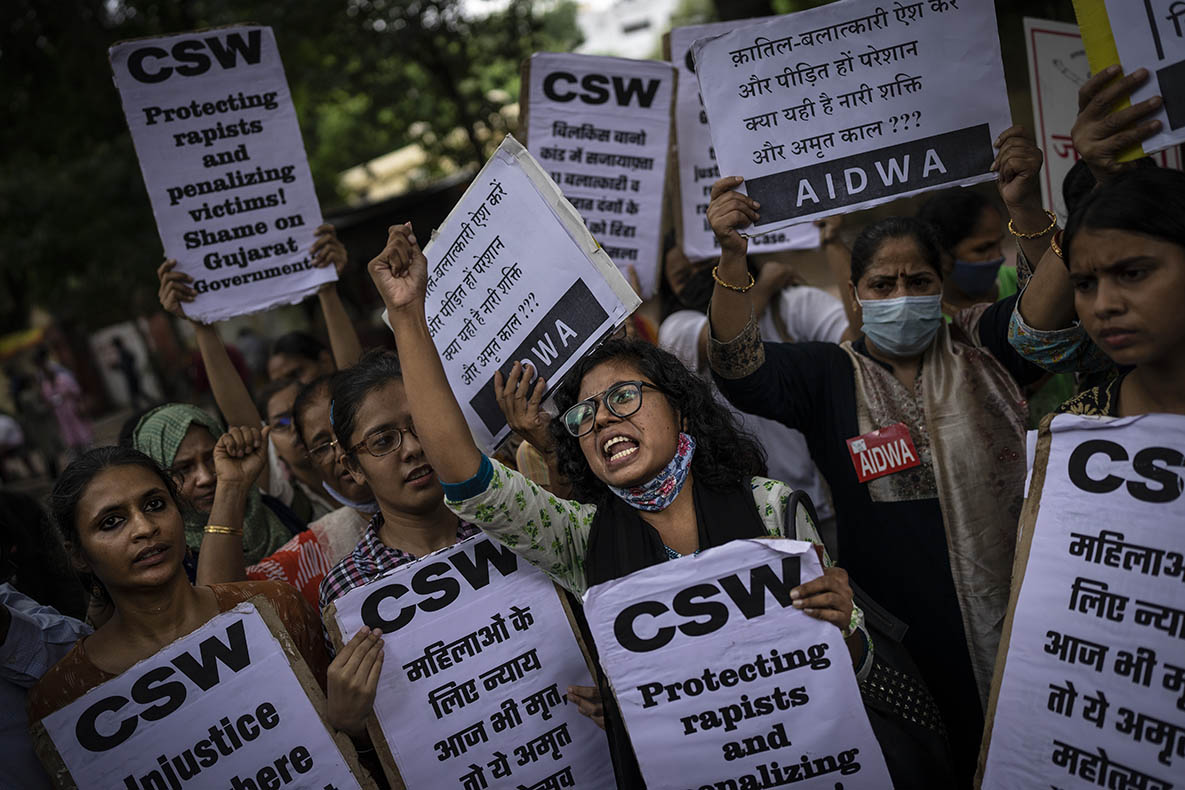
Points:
(367, 76)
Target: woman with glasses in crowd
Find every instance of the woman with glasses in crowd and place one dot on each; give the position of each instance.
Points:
(658, 469)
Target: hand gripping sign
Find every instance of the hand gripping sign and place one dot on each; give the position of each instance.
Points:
(220, 149)
(472, 694)
(722, 683)
(231, 705)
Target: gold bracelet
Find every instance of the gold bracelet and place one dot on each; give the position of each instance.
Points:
(214, 529)
(1039, 234)
(729, 286)
(1055, 244)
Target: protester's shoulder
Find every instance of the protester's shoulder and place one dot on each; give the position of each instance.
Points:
(65, 682)
(771, 497)
(286, 599)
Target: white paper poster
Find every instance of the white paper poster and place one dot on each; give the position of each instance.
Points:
(601, 128)
(220, 707)
(220, 149)
(849, 105)
(1057, 69)
(479, 656)
(1151, 33)
(513, 275)
(1093, 686)
(697, 159)
(722, 683)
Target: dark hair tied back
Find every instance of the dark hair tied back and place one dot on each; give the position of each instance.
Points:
(349, 387)
(725, 456)
(1148, 201)
(869, 242)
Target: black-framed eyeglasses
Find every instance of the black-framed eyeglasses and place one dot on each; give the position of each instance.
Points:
(383, 442)
(322, 451)
(622, 399)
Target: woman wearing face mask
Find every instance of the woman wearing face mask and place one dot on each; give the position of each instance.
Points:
(657, 468)
(971, 232)
(929, 530)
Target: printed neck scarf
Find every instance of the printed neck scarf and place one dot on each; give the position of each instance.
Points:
(661, 490)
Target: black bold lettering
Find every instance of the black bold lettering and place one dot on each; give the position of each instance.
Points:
(549, 86)
(173, 693)
(235, 46)
(233, 653)
(486, 553)
(425, 583)
(370, 609)
(626, 91)
(1145, 466)
(596, 90)
(136, 65)
(684, 606)
(1082, 455)
(192, 53)
(623, 627)
(90, 738)
(751, 601)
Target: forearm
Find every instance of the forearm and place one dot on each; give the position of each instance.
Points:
(440, 423)
(1029, 220)
(221, 557)
(730, 309)
(1048, 301)
(839, 263)
(343, 339)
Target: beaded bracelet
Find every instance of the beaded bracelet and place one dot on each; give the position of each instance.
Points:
(731, 287)
(1039, 234)
(214, 529)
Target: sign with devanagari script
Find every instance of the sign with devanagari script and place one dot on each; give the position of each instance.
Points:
(514, 275)
(479, 656)
(231, 705)
(697, 159)
(216, 134)
(1153, 37)
(601, 127)
(850, 105)
(1090, 691)
(723, 683)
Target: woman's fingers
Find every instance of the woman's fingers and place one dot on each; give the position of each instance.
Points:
(537, 395)
(724, 185)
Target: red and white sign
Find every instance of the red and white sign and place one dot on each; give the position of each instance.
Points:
(883, 452)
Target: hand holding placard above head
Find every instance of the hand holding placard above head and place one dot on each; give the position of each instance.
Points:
(215, 130)
(1101, 136)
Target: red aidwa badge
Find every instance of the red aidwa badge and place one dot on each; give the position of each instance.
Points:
(883, 452)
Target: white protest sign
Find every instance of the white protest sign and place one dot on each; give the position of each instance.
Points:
(220, 149)
(479, 655)
(221, 707)
(1092, 688)
(601, 128)
(697, 159)
(513, 275)
(722, 683)
(848, 105)
(1151, 34)
(1057, 68)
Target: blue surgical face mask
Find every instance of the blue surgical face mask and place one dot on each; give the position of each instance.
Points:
(976, 278)
(904, 326)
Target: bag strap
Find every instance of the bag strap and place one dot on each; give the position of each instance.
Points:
(876, 616)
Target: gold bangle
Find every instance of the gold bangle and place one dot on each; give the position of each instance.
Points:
(729, 286)
(1055, 244)
(214, 529)
(1039, 234)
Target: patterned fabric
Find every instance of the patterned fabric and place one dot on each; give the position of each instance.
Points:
(159, 434)
(1068, 350)
(75, 675)
(1100, 401)
(370, 559)
(304, 560)
(739, 357)
(660, 492)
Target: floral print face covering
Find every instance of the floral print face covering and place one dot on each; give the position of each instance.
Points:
(662, 489)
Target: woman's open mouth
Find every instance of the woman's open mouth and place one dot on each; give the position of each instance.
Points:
(152, 555)
(618, 449)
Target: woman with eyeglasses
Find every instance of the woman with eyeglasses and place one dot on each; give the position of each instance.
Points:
(658, 469)
(379, 447)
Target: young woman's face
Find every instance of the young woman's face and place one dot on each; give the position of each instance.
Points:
(629, 451)
(1128, 291)
(986, 240)
(327, 460)
(401, 480)
(193, 468)
(283, 435)
(898, 269)
(130, 532)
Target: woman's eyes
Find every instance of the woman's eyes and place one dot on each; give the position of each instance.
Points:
(623, 397)
(381, 442)
(110, 522)
(1133, 274)
(155, 504)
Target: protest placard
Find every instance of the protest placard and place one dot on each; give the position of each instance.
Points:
(848, 105)
(514, 275)
(231, 705)
(601, 128)
(722, 683)
(1089, 688)
(1151, 34)
(1057, 68)
(220, 149)
(697, 168)
(479, 655)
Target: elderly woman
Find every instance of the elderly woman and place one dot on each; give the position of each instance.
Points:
(930, 533)
(657, 467)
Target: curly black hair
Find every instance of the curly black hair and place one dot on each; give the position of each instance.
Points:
(725, 455)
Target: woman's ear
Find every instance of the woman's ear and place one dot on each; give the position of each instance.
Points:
(77, 561)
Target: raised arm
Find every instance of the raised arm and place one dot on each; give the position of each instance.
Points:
(230, 391)
(400, 273)
(239, 457)
(839, 263)
(728, 212)
(343, 338)
(1018, 169)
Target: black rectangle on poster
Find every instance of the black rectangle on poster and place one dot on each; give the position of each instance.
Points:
(568, 324)
(832, 185)
(1171, 80)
